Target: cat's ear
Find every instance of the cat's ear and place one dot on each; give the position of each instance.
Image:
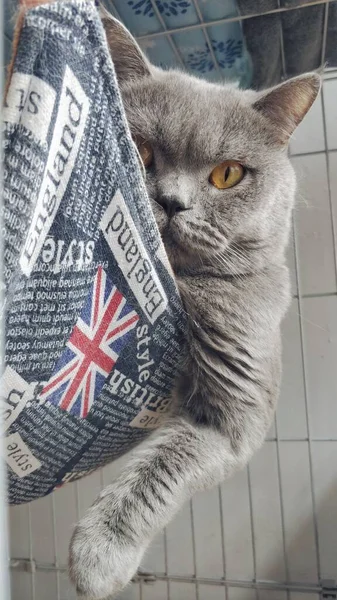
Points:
(128, 59)
(287, 104)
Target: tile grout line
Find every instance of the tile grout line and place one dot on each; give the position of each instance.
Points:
(330, 75)
(311, 153)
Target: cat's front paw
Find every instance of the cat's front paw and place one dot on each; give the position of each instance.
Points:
(103, 554)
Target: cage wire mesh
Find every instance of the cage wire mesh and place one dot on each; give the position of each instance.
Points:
(271, 531)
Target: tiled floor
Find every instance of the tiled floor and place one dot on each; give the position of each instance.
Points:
(278, 519)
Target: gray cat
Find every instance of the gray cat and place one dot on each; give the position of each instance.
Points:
(222, 191)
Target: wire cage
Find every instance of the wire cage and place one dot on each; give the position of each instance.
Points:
(269, 533)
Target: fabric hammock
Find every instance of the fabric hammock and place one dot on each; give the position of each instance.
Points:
(94, 323)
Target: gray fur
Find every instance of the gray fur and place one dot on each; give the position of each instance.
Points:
(227, 251)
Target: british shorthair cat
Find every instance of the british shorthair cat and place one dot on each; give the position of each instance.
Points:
(222, 191)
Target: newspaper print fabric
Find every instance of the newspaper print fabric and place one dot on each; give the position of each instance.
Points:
(94, 326)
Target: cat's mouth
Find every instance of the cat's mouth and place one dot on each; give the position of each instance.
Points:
(190, 243)
(174, 233)
(179, 244)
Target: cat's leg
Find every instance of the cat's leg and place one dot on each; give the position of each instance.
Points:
(109, 542)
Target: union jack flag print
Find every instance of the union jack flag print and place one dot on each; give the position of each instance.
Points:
(98, 337)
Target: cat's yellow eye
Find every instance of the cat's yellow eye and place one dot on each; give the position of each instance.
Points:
(145, 150)
(226, 175)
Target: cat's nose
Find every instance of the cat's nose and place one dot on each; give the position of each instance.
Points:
(171, 205)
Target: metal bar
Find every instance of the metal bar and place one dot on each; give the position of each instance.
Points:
(30, 542)
(4, 525)
(170, 39)
(301, 439)
(279, 474)
(222, 526)
(257, 585)
(331, 204)
(274, 11)
(208, 40)
(166, 564)
(52, 498)
(325, 34)
(300, 297)
(77, 501)
(252, 527)
(101, 478)
(114, 9)
(194, 551)
(24, 564)
(307, 415)
(283, 58)
(318, 295)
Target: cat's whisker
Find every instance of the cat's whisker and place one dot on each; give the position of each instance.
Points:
(239, 255)
(207, 234)
(236, 248)
(221, 259)
(229, 253)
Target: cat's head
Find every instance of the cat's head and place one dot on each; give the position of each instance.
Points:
(217, 172)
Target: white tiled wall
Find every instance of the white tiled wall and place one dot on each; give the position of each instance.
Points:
(277, 520)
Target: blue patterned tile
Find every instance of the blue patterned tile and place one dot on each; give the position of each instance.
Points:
(177, 13)
(231, 52)
(141, 16)
(212, 10)
(227, 39)
(138, 16)
(195, 53)
(229, 49)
